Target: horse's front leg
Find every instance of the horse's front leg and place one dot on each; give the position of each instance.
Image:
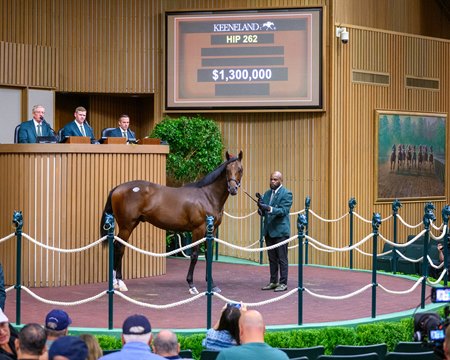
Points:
(119, 250)
(190, 275)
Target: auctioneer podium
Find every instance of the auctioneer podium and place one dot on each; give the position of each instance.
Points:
(61, 190)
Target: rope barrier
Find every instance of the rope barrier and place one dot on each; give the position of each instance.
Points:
(417, 283)
(236, 247)
(342, 297)
(62, 303)
(328, 220)
(345, 248)
(160, 307)
(361, 218)
(397, 245)
(444, 232)
(150, 253)
(261, 303)
(63, 250)
(7, 237)
(406, 224)
(439, 279)
(240, 217)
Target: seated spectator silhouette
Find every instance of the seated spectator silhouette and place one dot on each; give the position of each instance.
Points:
(31, 342)
(68, 348)
(136, 340)
(251, 334)
(166, 344)
(7, 339)
(94, 350)
(56, 325)
(225, 332)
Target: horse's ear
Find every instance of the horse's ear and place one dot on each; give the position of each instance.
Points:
(227, 156)
(240, 155)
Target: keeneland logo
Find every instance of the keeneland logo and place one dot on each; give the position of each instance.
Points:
(267, 26)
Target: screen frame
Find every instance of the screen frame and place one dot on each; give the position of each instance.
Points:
(315, 76)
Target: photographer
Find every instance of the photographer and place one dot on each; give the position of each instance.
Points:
(433, 272)
(225, 332)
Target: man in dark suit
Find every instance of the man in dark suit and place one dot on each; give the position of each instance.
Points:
(274, 206)
(124, 129)
(78, 127)
(37, 126)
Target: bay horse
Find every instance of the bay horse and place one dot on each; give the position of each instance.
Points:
(393, 156)
(175, 209)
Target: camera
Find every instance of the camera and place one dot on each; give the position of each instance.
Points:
(236, 305)
(344, 37)
(429, 327)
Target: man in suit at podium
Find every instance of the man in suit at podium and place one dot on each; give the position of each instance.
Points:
(124, 129)
(37, 126)
(79, 127)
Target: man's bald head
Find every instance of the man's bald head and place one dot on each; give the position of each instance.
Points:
(251, 327)
(276, 179)
(166, 343)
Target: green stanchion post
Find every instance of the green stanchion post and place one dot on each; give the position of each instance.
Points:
(445, 216)
(209, 242)
(427, 218)
(302, 224)
(351, 206)
(376, 222)
(18, 223)
(109, 227)
(395, 206)
(307, 206)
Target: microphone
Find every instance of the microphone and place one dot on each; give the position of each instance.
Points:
(45, 122)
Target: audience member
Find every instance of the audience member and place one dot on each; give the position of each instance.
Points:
(68, 348)
(251, 334)
(31, 342)
(166, 344)
(225, 332)
(79, 127)
(136, 340)
(94, 349)
(7, 339)
(2, 289)
(446, 345)
(56, 325)
(37, 126)
(123, 130)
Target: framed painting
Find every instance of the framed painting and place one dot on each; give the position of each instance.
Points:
(410, 154)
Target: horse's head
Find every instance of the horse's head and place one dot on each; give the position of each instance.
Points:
(18, 219)
(234, 172)
(429, 214)
(446, 213)
(376, 221)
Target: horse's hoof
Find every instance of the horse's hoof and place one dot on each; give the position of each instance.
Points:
(193, 290)
(216, 289)
(122, 286)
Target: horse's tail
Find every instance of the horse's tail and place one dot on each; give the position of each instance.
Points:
(108, 209)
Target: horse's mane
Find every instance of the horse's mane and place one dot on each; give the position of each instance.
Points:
(212, 176)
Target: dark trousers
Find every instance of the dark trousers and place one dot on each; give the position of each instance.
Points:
(278, 260)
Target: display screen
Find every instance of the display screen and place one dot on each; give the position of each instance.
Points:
(244, 59)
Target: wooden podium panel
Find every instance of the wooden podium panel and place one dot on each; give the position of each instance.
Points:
(62, 190)
(78, 140)
(115, 140)
(149, 141)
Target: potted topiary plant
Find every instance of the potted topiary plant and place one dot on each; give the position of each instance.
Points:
(196, 148)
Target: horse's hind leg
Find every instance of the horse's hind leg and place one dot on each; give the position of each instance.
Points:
(190, 275)
(119, 250)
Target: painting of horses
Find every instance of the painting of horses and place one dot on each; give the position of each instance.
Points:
(410, 156)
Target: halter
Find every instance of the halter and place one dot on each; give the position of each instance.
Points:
(237, 182)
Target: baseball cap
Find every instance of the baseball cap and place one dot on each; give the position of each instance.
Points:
(3, 317)
(72, 347)
(57, 320)
(136, 325)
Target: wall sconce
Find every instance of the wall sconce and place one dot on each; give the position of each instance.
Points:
(341, 32)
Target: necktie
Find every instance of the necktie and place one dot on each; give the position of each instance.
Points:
(82, 130)
(124, 134)
(39, 130)
(271, 197)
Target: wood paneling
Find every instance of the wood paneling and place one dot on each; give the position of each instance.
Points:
(61, 190)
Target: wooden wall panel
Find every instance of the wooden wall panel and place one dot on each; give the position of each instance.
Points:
(352, 129)
(61, 190)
